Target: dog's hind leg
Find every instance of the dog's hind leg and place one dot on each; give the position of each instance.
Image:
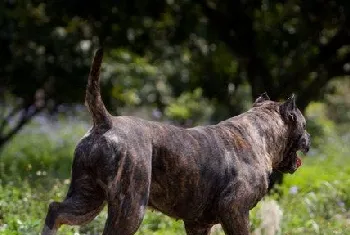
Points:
(197, 229)
(125, 217)
(83, 202)
(128, 196)
(72, 211)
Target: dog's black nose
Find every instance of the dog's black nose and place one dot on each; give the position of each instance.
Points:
(307, 148)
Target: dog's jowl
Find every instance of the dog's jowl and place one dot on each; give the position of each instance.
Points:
(203, 175)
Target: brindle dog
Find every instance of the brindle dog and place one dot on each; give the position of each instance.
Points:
(203, 175)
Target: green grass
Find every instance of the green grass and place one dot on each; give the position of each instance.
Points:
(35, 169)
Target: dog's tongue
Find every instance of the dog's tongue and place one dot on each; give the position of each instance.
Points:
(298, 162)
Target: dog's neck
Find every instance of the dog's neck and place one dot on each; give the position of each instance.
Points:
(267, 132)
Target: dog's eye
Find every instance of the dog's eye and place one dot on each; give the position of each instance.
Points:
(304, 125)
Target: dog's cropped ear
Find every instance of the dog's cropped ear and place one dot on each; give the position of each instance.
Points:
(288, 109)
(263, 97)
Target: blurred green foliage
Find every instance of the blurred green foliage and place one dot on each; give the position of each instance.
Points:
(159, 51)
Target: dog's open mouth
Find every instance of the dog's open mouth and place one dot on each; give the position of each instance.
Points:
(298, 159)
(295, 162)
(298, 162)
(291, 162)
(304, 150)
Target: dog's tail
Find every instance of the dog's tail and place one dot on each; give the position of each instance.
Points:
(93, 100)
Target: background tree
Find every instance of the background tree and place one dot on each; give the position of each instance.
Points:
(164, 54)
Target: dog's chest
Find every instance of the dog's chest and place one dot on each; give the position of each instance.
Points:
(181, 187)
(182, 199)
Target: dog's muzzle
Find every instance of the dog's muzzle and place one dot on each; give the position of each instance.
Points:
(304, 143)
(291, 162)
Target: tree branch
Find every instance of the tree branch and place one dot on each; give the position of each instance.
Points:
(26, 116)
(216, 18)
(326, 52)
(239, 23)
(6, 119)
(313, 89)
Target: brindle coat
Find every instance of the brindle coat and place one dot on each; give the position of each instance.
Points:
(203, 175)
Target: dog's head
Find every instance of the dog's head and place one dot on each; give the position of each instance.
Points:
(297, 140)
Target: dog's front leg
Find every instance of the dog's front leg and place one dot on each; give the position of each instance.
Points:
(235, 222)
(197, 229)
(234, 208)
